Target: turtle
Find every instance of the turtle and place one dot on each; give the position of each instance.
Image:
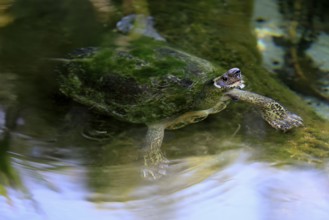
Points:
(148, 82)
(168, 89)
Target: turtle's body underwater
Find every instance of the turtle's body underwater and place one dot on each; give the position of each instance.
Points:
(166, 90)
(161, 87)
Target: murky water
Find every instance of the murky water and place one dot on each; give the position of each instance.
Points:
(50, 168)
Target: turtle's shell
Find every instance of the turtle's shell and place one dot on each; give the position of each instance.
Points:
(140, 84)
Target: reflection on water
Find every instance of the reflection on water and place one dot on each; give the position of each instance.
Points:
(229, 185)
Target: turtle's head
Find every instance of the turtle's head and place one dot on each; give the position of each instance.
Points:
(231, 79)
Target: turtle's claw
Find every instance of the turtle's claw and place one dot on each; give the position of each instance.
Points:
(155, 168)
(287, 121)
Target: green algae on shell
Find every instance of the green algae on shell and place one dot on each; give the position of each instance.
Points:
(140, 84)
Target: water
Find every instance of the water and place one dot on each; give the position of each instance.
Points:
(227, 186)
(231, 166)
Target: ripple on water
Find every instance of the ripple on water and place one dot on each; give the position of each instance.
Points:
(225, 186)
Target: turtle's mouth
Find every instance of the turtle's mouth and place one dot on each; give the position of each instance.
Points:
(237, 84)
(231, 79)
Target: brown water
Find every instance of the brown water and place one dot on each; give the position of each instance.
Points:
(50, 170)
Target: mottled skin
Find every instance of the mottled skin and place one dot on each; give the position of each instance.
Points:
(274, 113)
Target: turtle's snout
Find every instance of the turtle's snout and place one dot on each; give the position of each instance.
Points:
(231, 79)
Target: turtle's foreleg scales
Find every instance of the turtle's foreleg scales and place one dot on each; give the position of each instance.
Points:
(154, 161)
(273, 112)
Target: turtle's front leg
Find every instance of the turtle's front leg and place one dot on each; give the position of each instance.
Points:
(154, 161)
(273, 112)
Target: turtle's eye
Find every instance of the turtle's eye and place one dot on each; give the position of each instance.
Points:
(234, 72)
(224, 78)
(237, 71)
